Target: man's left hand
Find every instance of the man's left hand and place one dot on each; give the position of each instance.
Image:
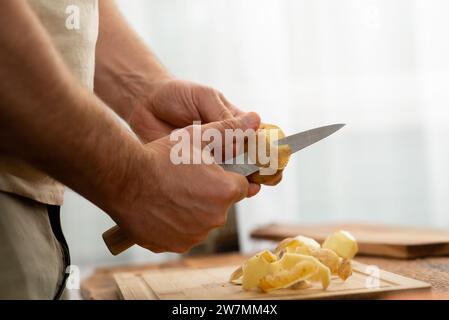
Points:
(177, 104)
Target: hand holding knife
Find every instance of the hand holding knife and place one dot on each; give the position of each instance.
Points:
(117, 241)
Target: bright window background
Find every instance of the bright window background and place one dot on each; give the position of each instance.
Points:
(381, 67)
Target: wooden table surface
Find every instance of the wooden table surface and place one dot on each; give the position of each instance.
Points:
(101, 286)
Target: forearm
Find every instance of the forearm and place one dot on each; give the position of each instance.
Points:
(52, 122)
(126, 69)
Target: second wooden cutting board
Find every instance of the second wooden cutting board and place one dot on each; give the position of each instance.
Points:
(376, 240)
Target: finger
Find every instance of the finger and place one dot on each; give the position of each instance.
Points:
(211, 105)
(216, 131)
(229, 134)
(253, 189)
(241, 185)
(233, 109)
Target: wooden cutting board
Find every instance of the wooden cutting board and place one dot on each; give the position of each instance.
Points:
(212, 283)
(375, 240)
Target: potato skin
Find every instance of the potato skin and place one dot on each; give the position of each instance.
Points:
(268, 180)
(283, 157)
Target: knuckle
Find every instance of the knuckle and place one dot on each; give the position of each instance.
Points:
(228, 124)
(222, 113)
(202, 91)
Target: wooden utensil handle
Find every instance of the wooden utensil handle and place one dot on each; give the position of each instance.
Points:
(116, 240)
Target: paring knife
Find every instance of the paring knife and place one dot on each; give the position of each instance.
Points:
(296, 142)
(117, 241)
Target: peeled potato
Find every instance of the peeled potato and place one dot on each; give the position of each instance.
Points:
(283, 152)
(342, 243)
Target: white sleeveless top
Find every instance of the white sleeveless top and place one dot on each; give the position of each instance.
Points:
(73, 27)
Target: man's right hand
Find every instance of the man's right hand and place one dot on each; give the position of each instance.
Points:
(168, 207)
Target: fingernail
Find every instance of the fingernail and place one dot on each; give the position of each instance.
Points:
(251, 120)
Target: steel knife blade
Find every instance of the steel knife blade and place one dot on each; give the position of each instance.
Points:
(296, 142)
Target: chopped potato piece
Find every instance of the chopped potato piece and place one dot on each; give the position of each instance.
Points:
(343, 243)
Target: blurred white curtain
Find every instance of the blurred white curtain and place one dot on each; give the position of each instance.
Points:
(380, 66)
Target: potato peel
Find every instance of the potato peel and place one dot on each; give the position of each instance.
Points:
(255, 268)
(285, 278)
(297, 263)
(237, 276)
(329, 258)
(345, 269)
(299, 244)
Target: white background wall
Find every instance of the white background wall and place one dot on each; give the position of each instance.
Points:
(380, 66)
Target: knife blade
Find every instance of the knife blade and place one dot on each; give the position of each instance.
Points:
(296, 142)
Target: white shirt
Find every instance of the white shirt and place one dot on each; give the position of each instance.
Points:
(73, 27)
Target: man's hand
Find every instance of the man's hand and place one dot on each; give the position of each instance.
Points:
(174, 104)
(130, 79)
(172, 207)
